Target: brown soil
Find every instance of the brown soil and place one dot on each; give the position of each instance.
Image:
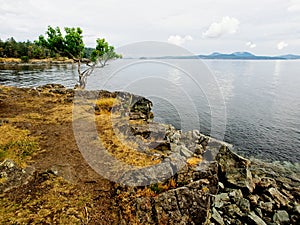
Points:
(48, 116)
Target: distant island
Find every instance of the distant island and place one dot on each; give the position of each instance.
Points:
(231, 56)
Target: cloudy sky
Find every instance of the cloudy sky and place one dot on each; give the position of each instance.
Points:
(263, 27)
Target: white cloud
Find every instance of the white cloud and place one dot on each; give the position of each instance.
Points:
(228, 25)
(281, 45)
(178, 40)
(294, 6)
(250, 44)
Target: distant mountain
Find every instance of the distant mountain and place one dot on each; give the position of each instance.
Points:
(240, 55)
(232, 56)
(290, 56)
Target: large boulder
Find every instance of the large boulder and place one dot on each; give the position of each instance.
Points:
(235, 169)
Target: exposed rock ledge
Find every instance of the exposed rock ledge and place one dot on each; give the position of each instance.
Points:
(213, 185)
(226, 189)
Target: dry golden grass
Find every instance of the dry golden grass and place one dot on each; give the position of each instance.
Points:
(58, 113)
(106, 104)
(10, 60)
(16, 144)
(193, 161)
(48, 60)
(53, 201)
(125, 151)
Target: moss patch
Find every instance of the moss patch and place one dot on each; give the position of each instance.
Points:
(16, 144)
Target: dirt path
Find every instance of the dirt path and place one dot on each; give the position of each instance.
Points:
(48, 116)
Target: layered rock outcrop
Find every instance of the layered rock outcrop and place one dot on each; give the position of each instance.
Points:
(200, 181)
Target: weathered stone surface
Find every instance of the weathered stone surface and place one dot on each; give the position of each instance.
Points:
(278, 197)
(281, 217)
(235, 169)
(184, 205)
(266, 182)
(236, 194)
(12, 175)
(256, 219)
(244, 205)
(185, 152)
(253, 199)
(259, 212)
(297, 209)
(223, 188)
(266, 206)
(217, 217)
(220, 200)
(232, 211)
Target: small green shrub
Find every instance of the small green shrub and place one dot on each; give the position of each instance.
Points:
(24, 59)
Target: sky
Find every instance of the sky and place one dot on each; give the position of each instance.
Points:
(263, 27)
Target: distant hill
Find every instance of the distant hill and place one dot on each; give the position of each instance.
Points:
(246, 55)
(290, 56)
(232, 56)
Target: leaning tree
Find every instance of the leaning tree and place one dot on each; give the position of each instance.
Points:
(71, 45)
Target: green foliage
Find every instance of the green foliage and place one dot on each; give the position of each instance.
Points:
(13, 49)
(24, 58)
(87, 52)
(70, 45)
(74, 45)
(103, 51)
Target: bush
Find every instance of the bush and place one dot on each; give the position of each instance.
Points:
(25, 59)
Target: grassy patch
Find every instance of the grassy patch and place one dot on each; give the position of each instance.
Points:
(16, 144)
(106, 104)
(10, 60)
(115, 144)
(50, 200)
(194, 161)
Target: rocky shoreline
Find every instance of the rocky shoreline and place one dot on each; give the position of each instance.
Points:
(202, 180)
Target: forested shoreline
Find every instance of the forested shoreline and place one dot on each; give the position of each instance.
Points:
(26, 50)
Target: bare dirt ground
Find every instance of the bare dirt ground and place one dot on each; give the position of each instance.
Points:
(48, 117)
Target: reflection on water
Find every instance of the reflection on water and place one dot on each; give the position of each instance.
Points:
(35, 75)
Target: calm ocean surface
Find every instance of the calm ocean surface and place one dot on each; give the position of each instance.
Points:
(254, 105)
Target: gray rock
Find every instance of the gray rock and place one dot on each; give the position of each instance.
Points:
(184, 205)
(259, 212)
(199, 149)
(297, 209)
(235, 169)
(281, 217)
(244, 205)
(196, 134)
(253, 199)
(221, 199)
(278, 197)
(236, 194)
(221, 185)
(185, 152)
(13, 175)
(266, 206)
(256, 219)
(217, 217)
(143, 206)
(266, 182)
(232, 211)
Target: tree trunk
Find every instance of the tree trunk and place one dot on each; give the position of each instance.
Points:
(82, 77)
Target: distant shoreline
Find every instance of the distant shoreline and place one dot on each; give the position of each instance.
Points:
(18, 61)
